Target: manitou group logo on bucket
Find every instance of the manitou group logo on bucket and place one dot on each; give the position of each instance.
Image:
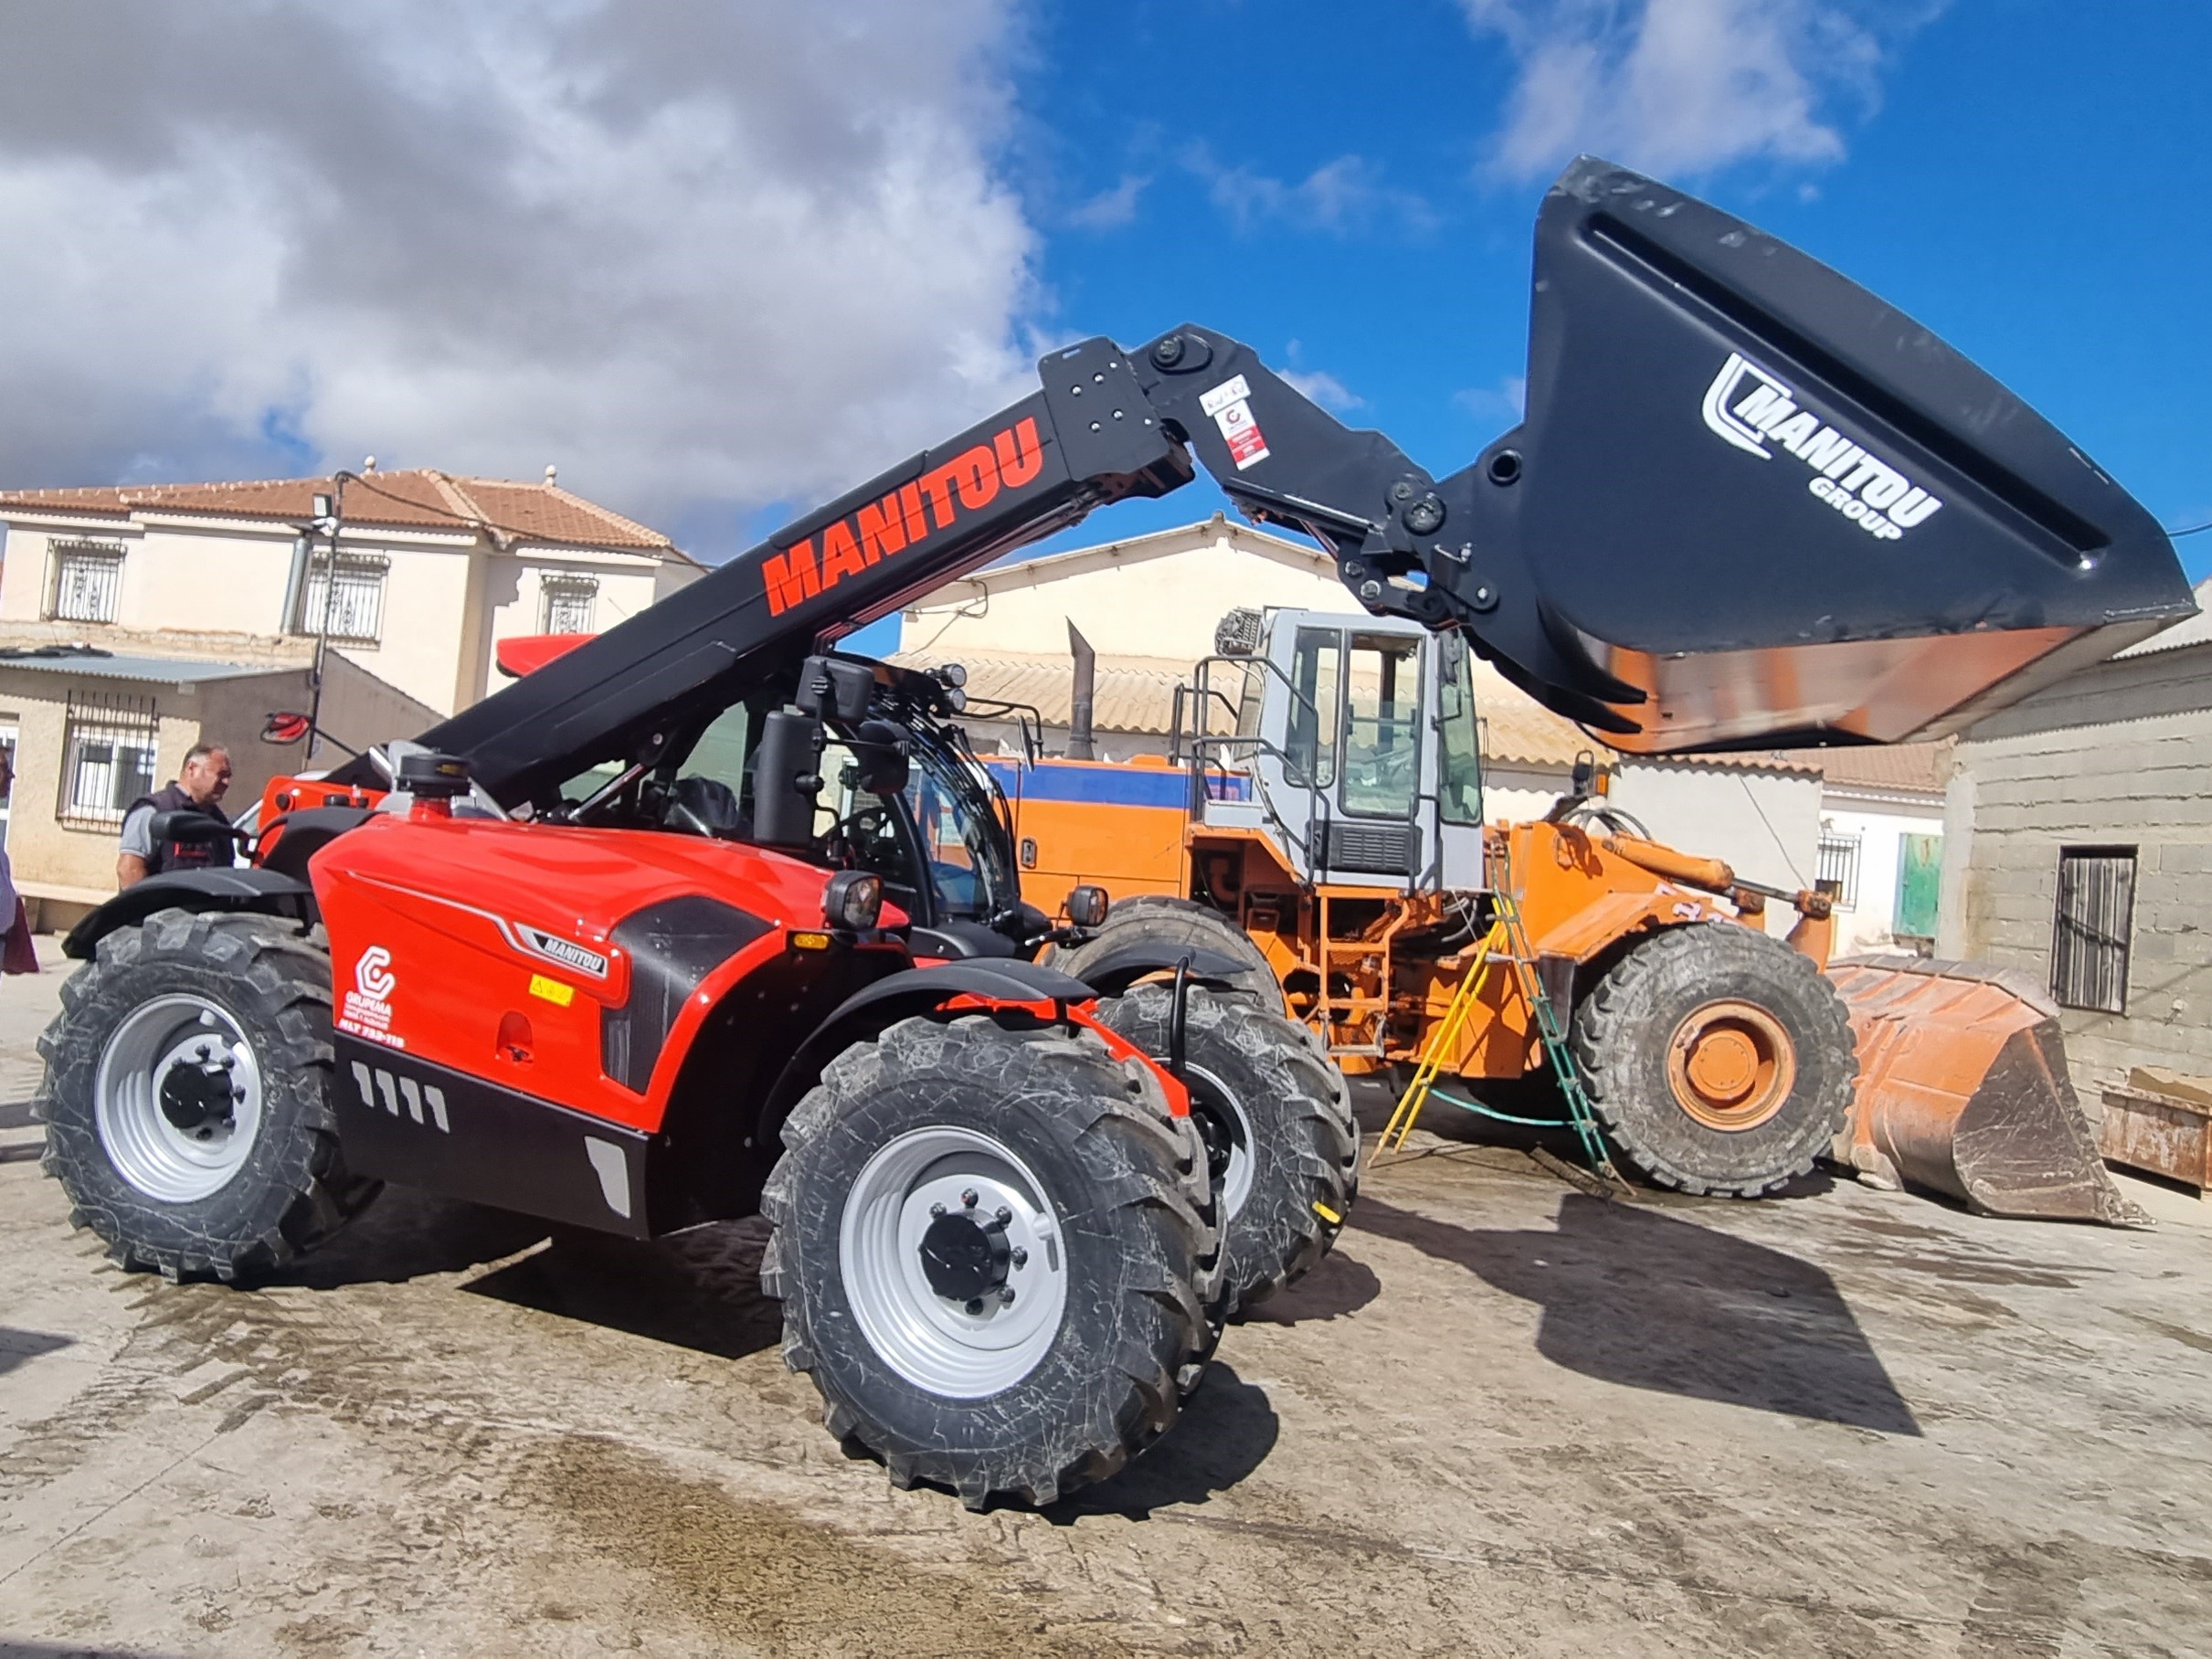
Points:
(1752, 408)
(367, 1012)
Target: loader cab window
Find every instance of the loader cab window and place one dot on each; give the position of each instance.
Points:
(1459, 775)
(1309, 747)
(1381, 752)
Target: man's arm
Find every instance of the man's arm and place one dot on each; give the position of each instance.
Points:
(133, 864)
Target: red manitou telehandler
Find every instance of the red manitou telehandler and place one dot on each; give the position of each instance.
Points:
(633, 944)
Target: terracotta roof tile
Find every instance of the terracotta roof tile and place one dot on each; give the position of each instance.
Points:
(1920, 767)
(421, 498)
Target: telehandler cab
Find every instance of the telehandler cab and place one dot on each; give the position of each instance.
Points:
(580, 951)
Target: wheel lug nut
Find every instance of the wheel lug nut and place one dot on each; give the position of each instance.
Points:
(1020, 1257)
(937, 1210)
(1006, 1296)
(976, 1305)
(1004, 1215)
(969, 1198)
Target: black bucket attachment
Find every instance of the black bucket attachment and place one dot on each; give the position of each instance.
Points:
(1752, 504)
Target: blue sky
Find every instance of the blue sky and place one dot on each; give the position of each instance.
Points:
(2023, 175)
(720, 260)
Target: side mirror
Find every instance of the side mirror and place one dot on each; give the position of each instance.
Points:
(879, 748)
(830, 688)
(1585, 782)
(1087, 905)
(787, 777)
(285, 725)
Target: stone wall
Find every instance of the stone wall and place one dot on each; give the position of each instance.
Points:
(2119, 756)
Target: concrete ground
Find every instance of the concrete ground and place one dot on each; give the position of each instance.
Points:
(1505, 1418)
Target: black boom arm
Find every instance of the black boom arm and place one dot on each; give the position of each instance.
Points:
(1749, 503)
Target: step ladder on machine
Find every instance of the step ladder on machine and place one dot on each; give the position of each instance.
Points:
(1508, 941)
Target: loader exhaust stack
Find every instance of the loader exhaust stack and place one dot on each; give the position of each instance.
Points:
(1962, 1087)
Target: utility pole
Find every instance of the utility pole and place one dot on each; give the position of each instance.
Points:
(330, 511)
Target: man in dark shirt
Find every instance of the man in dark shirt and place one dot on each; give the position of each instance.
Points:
(199, 785)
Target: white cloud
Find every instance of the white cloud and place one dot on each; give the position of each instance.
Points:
(1508, 399)
(1323, 388)
(1110, 209)
(1686, 86)
(705, 257)
(1343, 197)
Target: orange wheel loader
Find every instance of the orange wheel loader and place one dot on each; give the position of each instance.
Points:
(1328, 826)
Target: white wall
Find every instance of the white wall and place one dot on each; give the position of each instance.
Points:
(1881, 829)
(1765, 822)
(219, 589)
(1137, 601)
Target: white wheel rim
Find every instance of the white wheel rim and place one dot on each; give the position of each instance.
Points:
(961, 1349)
(1237, 1180)
(177, 1098)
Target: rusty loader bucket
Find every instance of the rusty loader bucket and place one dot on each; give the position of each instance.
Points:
(1962, 1087)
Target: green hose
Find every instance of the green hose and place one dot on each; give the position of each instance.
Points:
(1503, 1117)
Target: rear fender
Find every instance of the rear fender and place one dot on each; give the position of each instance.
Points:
(1112, 971)
(1011, 990)
(262, 892)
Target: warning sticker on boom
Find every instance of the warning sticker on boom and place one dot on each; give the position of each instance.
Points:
(1230, 404)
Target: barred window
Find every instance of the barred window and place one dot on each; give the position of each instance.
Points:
(567, 604)
(1837, 873)
(2090, 935)
(108, 756)
(355, 608)
(87, 581)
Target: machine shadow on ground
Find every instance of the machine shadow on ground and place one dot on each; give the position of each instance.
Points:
(1342, 1284)
(697, 1289)
(407, 1234)
(1634, 1297)
(1226, 1430)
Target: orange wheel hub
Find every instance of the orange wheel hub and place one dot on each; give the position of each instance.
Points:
(1731, 1065)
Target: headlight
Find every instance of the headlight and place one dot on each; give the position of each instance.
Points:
(954, 675)
(853, 900)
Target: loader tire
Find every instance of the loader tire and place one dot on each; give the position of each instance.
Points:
(186, 1098)
(1277, 1121)
(1175, 922)
(1718, 1059)
(892, 1281)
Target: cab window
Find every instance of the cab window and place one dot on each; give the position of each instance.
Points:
(1459, 785)
(1309, 752)
(1382, 726)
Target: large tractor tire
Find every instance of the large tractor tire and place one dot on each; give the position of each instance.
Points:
(1719, 1059)
(995, 1253)
(1283, 1147)
(186, 1098)
(1175, 923)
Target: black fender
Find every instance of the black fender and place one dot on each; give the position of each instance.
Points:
(214, 887)
(1113, 970)
(895, 997)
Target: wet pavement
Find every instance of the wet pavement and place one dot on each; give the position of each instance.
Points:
(1505, 1418)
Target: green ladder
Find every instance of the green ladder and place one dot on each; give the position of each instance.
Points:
(1579, 1113)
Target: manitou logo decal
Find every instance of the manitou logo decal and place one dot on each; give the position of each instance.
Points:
(971, 479)
(367, 1010)
(1750, 408)
(381, 1089)
(568, 954)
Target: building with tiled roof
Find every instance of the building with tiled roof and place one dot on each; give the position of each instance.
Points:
(1148, 606)
(432, 570)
